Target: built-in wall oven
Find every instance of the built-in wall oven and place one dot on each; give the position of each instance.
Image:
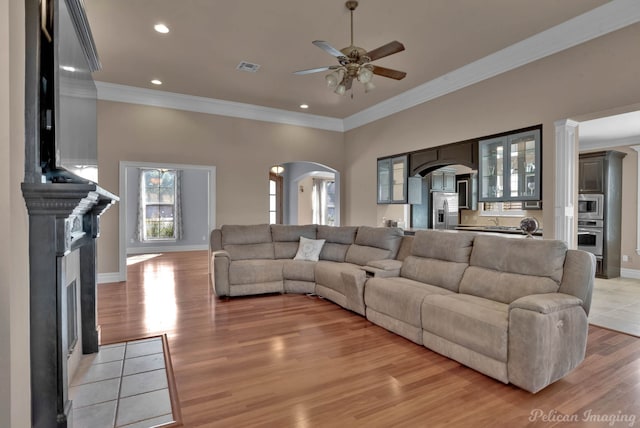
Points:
(590, 206)
(590, 236)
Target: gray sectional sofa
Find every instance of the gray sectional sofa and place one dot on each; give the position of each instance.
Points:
(513, 309)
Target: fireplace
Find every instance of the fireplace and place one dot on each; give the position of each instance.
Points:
(63, 228)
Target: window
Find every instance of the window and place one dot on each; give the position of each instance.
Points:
(158, 204)
(501, 209)
(323, 201)
(275, 198)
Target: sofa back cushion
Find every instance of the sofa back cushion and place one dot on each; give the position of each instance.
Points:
(244, 242)
(443, 245)
(337, 241)
(374, 243)
(505, 269)
(286, 238)
(438, 258)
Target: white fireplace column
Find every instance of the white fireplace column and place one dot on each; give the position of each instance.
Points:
(565, 173)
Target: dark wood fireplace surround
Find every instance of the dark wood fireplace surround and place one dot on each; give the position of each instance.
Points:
(63, 217)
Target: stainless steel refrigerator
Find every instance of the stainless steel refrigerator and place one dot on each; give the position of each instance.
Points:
(444, 210)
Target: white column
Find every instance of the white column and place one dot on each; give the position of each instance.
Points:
(637, 149)
(565, 168)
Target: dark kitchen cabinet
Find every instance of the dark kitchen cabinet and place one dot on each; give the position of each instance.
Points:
(591, 173)
(392, 180)
(601, 172)
(443, 180)
(467, 188)
(510, 167)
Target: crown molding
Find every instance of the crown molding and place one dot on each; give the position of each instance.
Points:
(608, 144)
(151, 97)
(602, 20)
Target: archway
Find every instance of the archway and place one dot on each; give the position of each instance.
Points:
(302, 183)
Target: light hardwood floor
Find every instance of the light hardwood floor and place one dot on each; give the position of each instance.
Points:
(298, 361)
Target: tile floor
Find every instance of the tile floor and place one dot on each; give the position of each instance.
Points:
(616, 305)
(123, 385)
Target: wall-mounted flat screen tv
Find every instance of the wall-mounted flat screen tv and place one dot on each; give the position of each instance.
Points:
(69, 140)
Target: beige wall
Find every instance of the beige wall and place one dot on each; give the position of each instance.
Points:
(629, 208)
(14, 269)
(241, 150)
(305, 201)
(595, 76)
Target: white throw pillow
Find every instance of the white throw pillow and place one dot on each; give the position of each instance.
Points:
(309, 249)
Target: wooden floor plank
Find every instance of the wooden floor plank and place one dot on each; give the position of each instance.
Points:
(299, 361)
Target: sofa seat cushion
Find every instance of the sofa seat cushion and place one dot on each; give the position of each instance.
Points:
(475, 323)
(255, 271)
(399, 298)
(329, 274)
(299, 270)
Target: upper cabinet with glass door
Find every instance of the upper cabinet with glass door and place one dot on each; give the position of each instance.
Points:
(392, 180)
(510, 167)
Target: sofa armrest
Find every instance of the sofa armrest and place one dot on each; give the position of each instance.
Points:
(220, 261)
(547, 339)
(546, 303)
(354, 281)
(383, 268)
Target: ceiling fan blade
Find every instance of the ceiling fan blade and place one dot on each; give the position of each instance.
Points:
(386, 50)
(388, 72)
(328, 48)
(316, 70)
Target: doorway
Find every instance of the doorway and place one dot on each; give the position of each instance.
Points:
(310, 193)
(198, 211)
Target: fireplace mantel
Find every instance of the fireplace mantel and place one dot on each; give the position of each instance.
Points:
(63, 217)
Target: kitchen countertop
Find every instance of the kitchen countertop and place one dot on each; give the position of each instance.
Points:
(496, 229)
(510, 230)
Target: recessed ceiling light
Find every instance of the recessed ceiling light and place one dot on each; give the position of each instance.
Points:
(156, 82)
(68, 68)
(304, 106)
(161, 28)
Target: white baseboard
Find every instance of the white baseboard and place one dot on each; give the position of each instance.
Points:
(630, 273)
(166, 249)
(108, 277)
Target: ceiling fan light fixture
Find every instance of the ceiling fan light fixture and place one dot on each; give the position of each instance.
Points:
(355, 62)
(369, 86)
(332, 79)
(365, 75)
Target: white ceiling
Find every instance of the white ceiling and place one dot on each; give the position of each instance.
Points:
(209, 38)
(622, 129)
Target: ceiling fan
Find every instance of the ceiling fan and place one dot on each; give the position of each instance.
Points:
(355, 62)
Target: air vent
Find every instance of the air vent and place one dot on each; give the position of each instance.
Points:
(247, 66)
